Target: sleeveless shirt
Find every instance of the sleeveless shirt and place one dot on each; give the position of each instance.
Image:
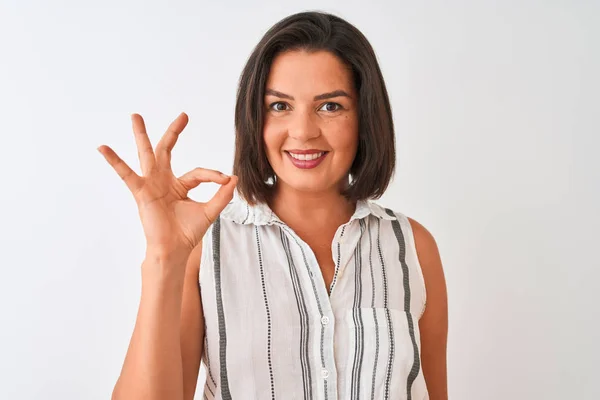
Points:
(272, 331)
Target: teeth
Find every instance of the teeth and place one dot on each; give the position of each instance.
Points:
(307, 157)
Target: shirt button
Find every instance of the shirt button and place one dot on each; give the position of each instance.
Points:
(325, 320)
(325, 374)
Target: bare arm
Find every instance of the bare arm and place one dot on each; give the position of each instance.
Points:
(192, 325)
(153, 369)
(163, 358)
(433, 325)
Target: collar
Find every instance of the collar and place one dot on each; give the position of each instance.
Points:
(240, 212)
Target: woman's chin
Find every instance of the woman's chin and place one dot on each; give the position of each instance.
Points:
(308, 185)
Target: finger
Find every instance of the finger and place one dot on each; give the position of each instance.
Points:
(144, 147)
(220, 199)
(167, 142)
(131, 179)
(199, 175)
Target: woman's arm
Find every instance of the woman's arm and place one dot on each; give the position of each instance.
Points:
(164, 354)
(434, 322)
(192, 325)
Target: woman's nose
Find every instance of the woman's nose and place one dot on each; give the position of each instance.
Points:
(303, 127)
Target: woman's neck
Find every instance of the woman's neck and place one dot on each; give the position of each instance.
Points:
(305, 209)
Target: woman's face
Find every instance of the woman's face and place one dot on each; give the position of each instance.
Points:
(311, 121)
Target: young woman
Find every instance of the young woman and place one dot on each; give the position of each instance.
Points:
(301, 287)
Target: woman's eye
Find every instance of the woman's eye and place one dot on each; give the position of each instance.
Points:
(278, 106)
(331, 107)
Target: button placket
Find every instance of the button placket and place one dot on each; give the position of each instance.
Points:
(328, 369)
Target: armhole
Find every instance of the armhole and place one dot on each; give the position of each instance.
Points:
(412, 250)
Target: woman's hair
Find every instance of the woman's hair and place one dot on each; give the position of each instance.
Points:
(374, 164)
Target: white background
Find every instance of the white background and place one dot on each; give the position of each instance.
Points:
(496, 111)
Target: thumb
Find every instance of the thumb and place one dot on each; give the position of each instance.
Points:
(220, 200)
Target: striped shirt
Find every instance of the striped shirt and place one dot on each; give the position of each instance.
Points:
(272, 330)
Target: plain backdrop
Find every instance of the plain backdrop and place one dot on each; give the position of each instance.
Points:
(496, 108)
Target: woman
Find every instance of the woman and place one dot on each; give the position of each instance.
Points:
(301, 287)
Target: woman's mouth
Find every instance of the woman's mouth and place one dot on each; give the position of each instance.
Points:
(306, 159)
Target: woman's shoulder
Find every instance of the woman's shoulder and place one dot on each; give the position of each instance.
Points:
(383, 212)
(241, 212)
(425, 243)
(236, 211)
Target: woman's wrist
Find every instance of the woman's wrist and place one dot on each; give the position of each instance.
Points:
(162, 265)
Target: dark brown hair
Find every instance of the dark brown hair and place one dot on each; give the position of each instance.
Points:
(374, 164)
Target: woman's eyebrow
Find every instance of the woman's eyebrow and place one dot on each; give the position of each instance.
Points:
(329, 95)
(335, 93)
(276, 93)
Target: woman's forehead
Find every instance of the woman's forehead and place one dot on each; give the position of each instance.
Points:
(309, 73)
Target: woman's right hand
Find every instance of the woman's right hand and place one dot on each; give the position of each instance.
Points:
(173, 223)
